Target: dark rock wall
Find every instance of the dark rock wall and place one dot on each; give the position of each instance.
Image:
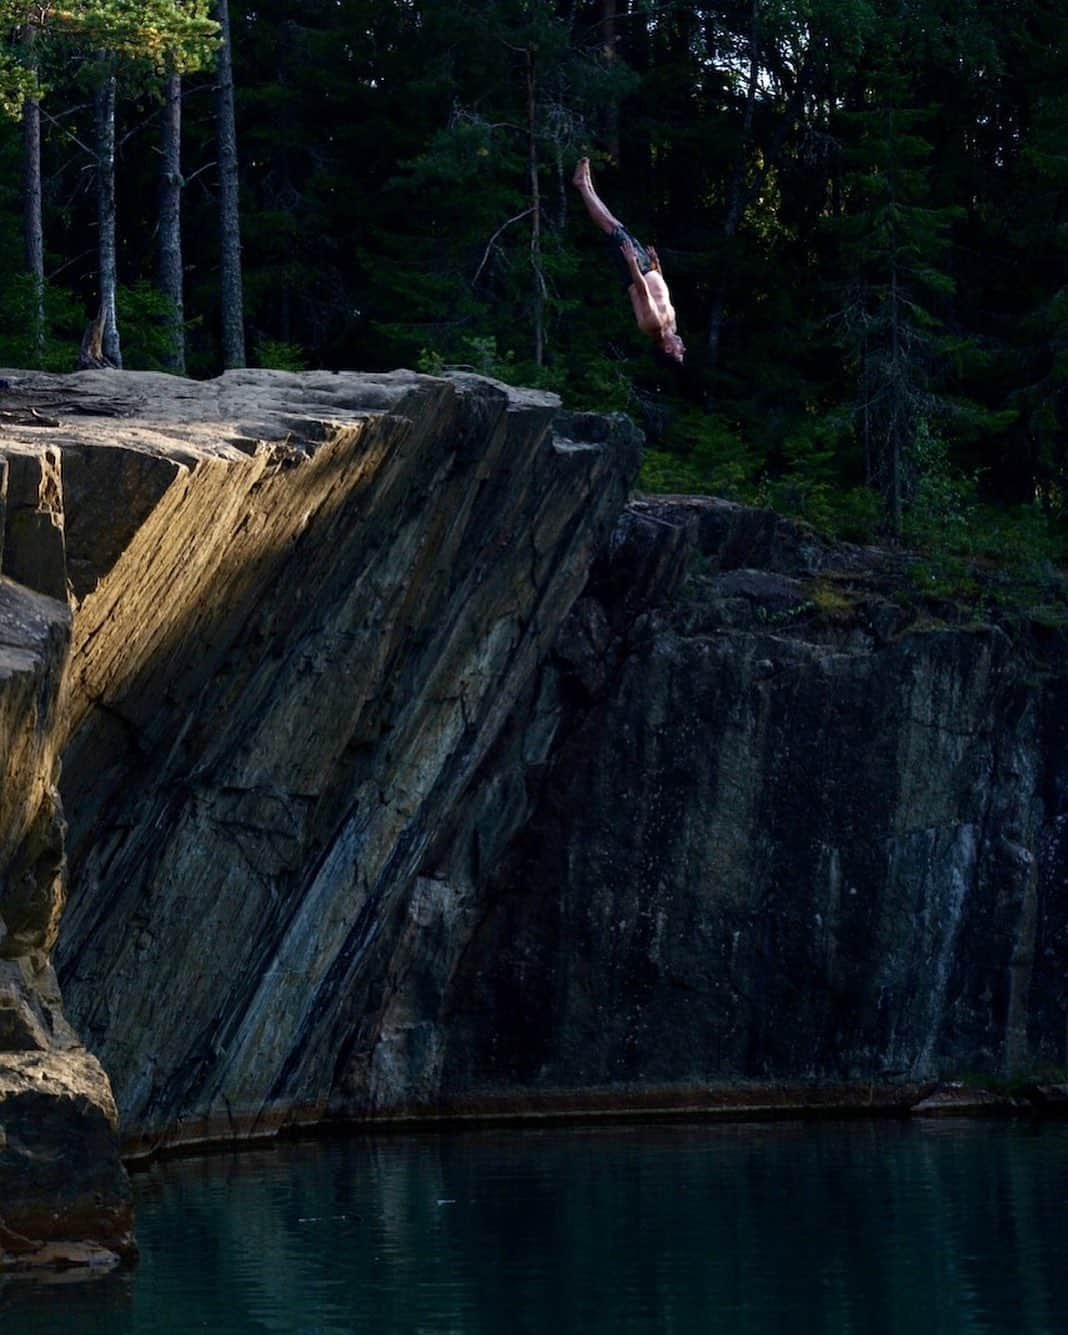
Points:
(773, 842)
(1048, 1006)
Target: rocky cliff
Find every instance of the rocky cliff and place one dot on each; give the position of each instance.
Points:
(795, 831)
(410, 772)
(304, 607)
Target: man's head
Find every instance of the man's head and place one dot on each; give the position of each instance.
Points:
(672, 346)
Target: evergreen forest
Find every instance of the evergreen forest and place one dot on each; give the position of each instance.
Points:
(861, 207)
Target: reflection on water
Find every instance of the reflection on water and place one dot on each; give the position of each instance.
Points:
(833, 1229)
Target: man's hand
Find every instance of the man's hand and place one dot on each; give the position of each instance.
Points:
(630, 255)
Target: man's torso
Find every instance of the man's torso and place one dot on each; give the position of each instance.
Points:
(662, 315)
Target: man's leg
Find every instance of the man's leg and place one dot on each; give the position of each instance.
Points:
(595, 206)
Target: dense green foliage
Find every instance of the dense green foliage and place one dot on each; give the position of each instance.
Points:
(861, 207)
(154, 31)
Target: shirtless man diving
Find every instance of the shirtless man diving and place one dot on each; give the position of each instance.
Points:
(641, 271)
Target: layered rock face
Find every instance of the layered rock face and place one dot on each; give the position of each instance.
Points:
(409, 772)
(790, 833)
(295, 643)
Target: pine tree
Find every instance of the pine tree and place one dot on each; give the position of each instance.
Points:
(894, 243)
(152, 31)
(164, 33)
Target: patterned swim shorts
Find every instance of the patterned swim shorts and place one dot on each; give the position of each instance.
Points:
(645, 260)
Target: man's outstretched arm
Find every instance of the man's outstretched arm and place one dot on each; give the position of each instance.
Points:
(644, 302)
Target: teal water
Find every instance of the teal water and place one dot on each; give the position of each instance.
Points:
(833, 1229)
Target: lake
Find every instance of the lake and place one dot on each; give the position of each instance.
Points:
(850, 1228)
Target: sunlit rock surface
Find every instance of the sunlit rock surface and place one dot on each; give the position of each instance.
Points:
(304, 607)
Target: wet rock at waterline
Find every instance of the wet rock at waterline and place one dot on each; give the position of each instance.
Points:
(65, 1197)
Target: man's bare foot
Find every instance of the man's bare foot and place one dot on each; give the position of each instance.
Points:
(581, 178)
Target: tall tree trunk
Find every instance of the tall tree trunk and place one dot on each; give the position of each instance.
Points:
(539, 294)
(735, 201)
(279, 189)
(170, 221)
(32, 226)
(107, 263)
(611, 114)
(233, 320)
